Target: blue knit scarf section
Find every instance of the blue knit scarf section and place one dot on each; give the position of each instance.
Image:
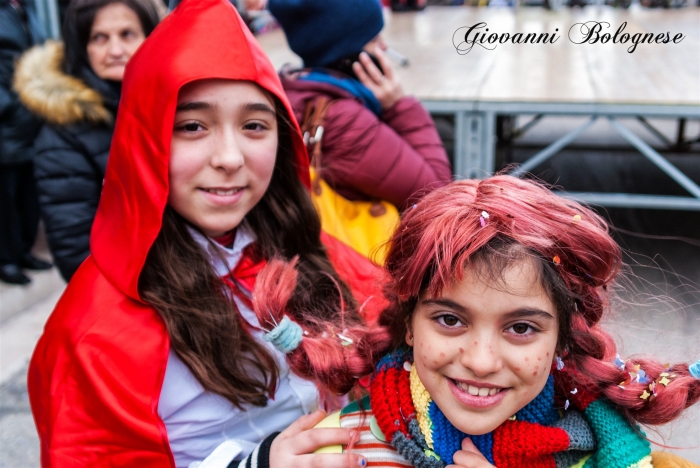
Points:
(447, 439)
(351, 85)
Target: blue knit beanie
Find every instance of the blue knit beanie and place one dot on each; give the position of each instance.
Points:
(324, 31)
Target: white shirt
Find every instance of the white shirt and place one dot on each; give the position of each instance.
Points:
(198, 421)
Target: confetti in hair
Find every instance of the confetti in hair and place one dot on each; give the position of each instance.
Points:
(483, 217)
(439, 244)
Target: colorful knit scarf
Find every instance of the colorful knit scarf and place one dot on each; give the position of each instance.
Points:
(540, 435)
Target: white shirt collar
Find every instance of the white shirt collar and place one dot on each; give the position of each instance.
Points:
(244, 237)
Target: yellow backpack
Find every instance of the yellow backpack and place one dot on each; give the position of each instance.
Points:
(366, 226)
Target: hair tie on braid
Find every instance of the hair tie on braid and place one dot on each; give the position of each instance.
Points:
(286, 336)
(695, 369)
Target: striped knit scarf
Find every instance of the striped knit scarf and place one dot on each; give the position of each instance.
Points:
(540, 436)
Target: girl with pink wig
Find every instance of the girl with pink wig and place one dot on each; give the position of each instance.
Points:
(495, 355)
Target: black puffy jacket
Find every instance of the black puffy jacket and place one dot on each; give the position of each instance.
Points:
(18, 127)
(71, 149)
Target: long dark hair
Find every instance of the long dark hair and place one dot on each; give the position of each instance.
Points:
(77, 24)
(206, 330)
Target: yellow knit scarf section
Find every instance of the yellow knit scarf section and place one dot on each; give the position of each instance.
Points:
(421, 400)
(643, 463)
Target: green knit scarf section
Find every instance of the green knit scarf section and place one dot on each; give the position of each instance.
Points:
(619, 444)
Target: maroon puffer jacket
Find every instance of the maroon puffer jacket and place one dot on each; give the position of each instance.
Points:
(396, 158)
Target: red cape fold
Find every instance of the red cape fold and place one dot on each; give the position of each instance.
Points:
(96, 374)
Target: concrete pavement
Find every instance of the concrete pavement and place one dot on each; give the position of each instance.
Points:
(24, 310)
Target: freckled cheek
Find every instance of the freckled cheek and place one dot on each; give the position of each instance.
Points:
(447, 354)
(432, 356)
(533, 368)
(431, 379)
(436, 358)
(529, 368)
(528, 386)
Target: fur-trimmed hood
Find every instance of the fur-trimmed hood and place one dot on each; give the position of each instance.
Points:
(47, 91)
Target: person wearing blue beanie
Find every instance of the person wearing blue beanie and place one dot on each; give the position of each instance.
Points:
(378, 144)
(322, 32)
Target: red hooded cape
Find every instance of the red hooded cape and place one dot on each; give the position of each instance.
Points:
(97, 371)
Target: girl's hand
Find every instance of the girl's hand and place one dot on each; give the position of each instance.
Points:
(469, 457)
(294, 447)
(387, 87)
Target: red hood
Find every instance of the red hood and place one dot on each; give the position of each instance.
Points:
(199, 39)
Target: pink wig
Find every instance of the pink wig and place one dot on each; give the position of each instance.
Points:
(498, 220)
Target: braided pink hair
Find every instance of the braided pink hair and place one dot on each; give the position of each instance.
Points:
(333, 354)
(498, 220)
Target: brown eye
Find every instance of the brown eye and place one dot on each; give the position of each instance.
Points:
(191, 127)
(521, 328)
(255, 126)
(449, 320)
(98, 38)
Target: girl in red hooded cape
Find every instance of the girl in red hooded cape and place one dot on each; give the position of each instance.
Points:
(213, 312)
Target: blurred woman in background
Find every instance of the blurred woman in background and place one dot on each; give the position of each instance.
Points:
(75, 87)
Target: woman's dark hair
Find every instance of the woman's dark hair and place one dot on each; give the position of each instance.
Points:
(205, 329)
(77, 24)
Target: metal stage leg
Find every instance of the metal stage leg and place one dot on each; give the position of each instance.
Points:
(629, 200)
(680, 138)
(551, 150)
(661, 162)
(475, 144)
(655, 132)
(521, 131)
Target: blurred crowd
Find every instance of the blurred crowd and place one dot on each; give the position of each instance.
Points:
(59, 101)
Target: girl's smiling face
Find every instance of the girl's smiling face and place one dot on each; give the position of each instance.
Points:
(484, 349)
(222, 154)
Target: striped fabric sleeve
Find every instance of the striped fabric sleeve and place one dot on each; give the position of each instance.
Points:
(376, 450)
(258, 458)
